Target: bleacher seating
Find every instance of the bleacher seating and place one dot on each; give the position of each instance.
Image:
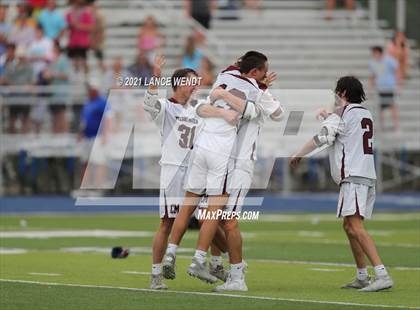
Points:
(307, 51)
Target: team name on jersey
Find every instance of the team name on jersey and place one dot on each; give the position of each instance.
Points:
(186, 119)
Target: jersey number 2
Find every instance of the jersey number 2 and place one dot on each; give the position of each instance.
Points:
(367, 143)
(187, 136)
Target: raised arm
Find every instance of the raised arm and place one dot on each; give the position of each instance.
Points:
(151, 102)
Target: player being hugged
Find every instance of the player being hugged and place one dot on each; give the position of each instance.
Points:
(349, 134)
(178, 125)
(236, 89)
(243, 160)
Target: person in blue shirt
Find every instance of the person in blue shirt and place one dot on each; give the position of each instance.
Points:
(384, 78)
(192, 56)
(52, 21)
(93, 111)
(93, 143)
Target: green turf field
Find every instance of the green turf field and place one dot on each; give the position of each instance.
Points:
(295, 262)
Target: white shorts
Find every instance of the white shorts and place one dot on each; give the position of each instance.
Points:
(356, 199)
(239, 183)
(172, 191)
(207, 172)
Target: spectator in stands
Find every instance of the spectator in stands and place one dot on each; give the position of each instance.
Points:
(201, 10)
(52, 21)
(23, 30)
(80, 22)
(40, 53)
(150, 39)
(252, 4)
(206, 72)
(331, 6)
(192, 56)
(37, 5)
(97, 38)
(17, 72)
(91, 118)
(384, 78)
(114, 76)
(399, 49)
(4, 29)
(57, 75)
(141, 68)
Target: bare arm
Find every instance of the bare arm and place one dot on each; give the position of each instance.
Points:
(151, 102)
(207, 110)
(246, 109)
(307, 148)
(331, 126)
(187, 6)
(158, 64)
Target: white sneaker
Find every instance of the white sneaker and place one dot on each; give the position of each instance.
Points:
(168, 266)
(356, 283)
(219, 272)
(157, 282)
(198, 270)
(232, 285)
(380, 283)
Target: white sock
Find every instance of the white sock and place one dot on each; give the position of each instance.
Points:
(171, 248)
(156, 269)
(362, 273)
(200, 256)
(236, 271)
(380, 271)
(216, 260)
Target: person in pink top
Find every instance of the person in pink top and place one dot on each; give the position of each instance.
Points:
(150, 38)
(81, 22)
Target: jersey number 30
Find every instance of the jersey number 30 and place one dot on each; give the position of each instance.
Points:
(367, 136)
(187, 136)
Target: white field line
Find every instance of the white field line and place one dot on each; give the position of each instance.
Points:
(12, 251)
(314, 235)
(298, 262)
(208, 294)
(383, 244)
(146, 250)
(317, 218)
(325, 269)
(143, 273)
(87, 233)
(44, 274)
(133, 250)
(46, 234)
(95, 233)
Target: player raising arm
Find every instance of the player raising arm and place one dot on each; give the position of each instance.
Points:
(349, 134)
(178, 125)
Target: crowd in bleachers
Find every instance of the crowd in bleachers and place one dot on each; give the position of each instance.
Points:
(45, 51)
(388, 69)
(44, 45)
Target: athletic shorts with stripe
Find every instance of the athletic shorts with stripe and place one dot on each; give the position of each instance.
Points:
(207, 172)
(172, 191)
(356, 199)
(239, 183)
